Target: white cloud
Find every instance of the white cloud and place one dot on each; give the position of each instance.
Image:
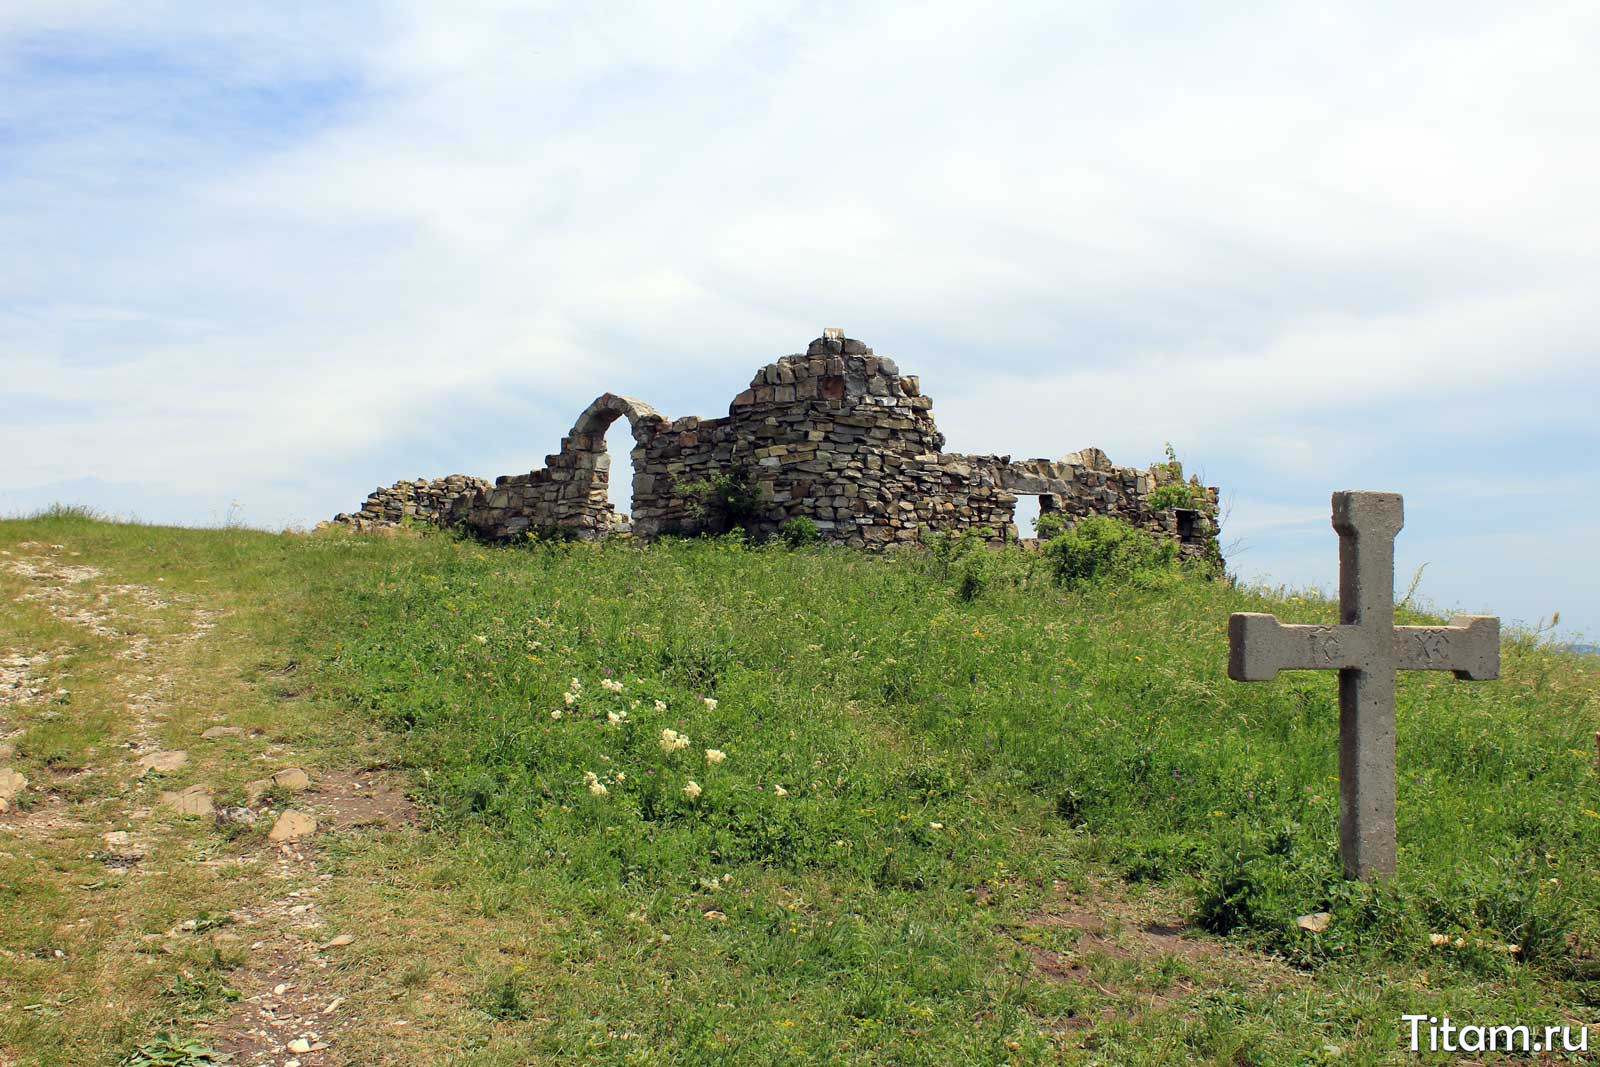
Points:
(245, 247)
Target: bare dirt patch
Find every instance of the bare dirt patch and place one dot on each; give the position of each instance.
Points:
(354, 799)
(290, 990)
(1141, 954)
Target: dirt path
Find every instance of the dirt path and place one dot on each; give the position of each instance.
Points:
(157, 796)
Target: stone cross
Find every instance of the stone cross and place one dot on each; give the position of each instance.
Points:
(1366, 648)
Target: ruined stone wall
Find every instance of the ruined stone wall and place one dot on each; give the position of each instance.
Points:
(420, 500)
(568, 495)
(836, 435)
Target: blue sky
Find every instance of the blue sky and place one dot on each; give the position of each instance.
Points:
(260, 259)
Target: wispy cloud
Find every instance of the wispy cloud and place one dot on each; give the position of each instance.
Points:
(281, 255)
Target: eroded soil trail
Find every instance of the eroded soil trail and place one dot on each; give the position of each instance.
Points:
(156, 821)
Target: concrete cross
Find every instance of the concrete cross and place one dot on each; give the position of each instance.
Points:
(1366, 648)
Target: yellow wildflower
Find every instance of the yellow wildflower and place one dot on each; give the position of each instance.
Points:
(692, 790)
(715, 755)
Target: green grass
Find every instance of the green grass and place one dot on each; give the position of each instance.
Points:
(963, 751)
(932, 746)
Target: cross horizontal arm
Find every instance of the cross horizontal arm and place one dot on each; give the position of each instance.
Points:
(1469, 646)
(1259, 646)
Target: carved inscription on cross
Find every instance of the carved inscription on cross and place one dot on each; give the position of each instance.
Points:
(1366, 648)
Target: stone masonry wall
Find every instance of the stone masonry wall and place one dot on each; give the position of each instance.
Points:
(837, 435)
(420, 500)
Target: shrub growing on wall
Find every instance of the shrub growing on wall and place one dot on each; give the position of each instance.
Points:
(727, 500)
(1099, 548)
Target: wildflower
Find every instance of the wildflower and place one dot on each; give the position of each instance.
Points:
(576, 686)
(616, 716)
(610, 685)
(692, 790)
(556, 714)
(709, 702)
(672, 740)
(621, 777)
(936, 826)
(661, 705)
(570, 698)
(482, 640)
(596, 786)
(715, 755)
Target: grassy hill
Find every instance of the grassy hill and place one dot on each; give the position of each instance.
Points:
(710, 803)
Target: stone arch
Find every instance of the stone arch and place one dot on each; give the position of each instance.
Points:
(598, 417)
(586, 498)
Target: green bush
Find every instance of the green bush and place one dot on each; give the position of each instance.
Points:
(1176, 495)
(1050, 525)
(727, 499)
(1100, 548)
(799, 532)
(972, 576)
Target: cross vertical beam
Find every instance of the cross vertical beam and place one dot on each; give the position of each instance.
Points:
(1366, 648)
(1367, 524)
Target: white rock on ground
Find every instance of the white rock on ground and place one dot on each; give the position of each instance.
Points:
(293, 825)
(195, 800)
(11, 783)
(163, 762)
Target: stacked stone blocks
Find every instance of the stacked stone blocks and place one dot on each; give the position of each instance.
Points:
(836, 435)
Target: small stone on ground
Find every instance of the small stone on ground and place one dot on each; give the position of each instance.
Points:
(195, 800)
(293, 779)
(293, 825)
(11, 783)
(163, 762)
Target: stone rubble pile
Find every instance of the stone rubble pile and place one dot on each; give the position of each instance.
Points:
(419, 500)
